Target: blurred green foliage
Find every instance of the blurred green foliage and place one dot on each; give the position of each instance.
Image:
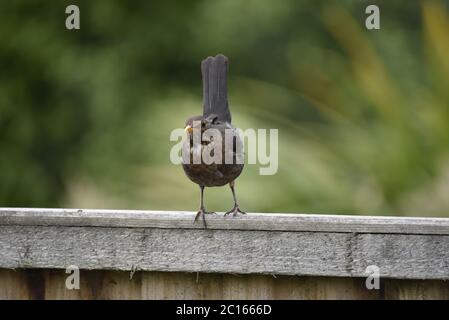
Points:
(363, 116)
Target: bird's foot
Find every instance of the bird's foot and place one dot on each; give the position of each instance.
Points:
(235, 211)
(202, 213)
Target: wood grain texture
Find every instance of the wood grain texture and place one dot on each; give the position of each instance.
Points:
(401, 256)
(257, 256)
(252, 221)
(95, 284)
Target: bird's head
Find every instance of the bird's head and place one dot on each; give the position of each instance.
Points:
(200, 122)
(193, 122)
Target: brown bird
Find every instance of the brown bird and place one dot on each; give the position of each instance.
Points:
(216, 115)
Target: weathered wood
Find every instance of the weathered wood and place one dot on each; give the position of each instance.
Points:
(225, 251)
(253, 221)
(234, 258)
(162, 241)
(96, 284)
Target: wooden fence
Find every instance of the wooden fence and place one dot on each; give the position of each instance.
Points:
(163, 255)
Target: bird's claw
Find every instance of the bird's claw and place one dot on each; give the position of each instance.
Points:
(235, 211)
(202, 213)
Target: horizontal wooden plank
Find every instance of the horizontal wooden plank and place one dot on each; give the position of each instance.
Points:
(286, 244)
(252, 221)
(401, 256)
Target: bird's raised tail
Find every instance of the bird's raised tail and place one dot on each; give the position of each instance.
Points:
(215, 88)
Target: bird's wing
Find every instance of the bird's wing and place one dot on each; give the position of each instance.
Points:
(215, 88)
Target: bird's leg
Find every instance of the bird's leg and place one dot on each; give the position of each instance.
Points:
(202, 212)
(236, 210)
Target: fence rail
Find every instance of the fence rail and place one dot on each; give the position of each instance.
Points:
(317, 246)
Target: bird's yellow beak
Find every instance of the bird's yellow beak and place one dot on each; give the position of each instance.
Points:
(188, 129)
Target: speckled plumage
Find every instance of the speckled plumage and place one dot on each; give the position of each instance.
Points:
(215, 174)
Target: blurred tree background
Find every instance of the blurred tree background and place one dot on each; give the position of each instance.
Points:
(363, 116)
